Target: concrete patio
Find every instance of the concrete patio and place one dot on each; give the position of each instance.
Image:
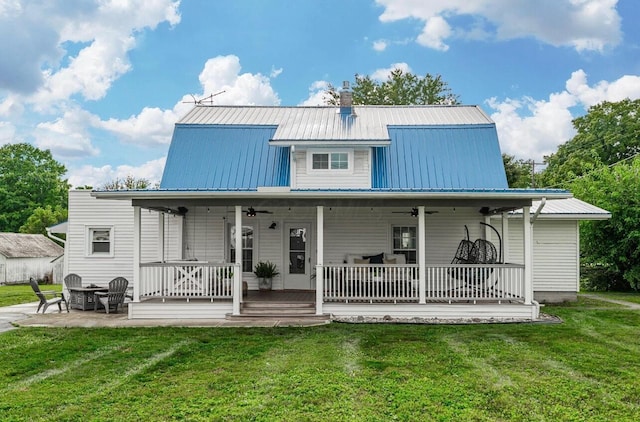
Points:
(25, 315)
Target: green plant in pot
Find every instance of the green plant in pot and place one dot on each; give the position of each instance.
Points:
(265, 271)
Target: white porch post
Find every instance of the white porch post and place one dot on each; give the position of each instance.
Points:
(161, 236)
(319, 259)
(505, 237)
(136, 253)
(528, 257)
(237, 275)
(422, 256)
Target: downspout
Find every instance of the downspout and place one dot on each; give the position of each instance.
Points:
(543, 202)
(52, 236)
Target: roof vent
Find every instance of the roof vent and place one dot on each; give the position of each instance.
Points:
(346, 99)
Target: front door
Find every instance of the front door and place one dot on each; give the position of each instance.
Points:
(297, 271)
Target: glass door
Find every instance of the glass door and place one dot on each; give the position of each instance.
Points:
(297, 257)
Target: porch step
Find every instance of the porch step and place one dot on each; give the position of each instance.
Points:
(279, 310)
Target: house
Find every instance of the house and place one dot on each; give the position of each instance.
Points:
(26, 255)
(362, 209)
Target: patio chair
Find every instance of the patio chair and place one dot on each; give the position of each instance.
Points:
(114, 297)
(44, 301)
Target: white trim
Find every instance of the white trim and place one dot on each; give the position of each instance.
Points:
(137, 242)
(422, 257)
(88, 231)
(237, 279)
(329, 152)
(319, 258)
(527, 238)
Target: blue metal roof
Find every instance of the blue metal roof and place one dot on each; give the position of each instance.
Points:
(226, 157)
(440, 157)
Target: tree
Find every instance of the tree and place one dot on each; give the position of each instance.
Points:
(613, 246)
(128, 183)
(607, 134)
(401, 88)
(42, 218)
(29, 178)
(518, 171)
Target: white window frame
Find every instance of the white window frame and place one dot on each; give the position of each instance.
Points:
(89, 230)
(399, 251)
(329, 152)
(254, 248)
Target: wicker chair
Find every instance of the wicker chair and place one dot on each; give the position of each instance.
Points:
(115, 296)
(44, 301)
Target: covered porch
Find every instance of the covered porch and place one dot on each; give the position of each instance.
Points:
(428, 285)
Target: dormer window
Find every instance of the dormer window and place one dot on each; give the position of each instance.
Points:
(331, 160)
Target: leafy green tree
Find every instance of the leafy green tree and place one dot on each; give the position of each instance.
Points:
(612, 247)
(607, 134)
(29, 178)
(42, 218)
(128, 183)
(518, 171)
(400, 88)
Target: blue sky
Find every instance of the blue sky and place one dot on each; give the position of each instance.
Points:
(101, 82)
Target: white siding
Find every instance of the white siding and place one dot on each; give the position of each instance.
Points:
(19, 270)
(86, 211)
(360, 177)
(555, 253)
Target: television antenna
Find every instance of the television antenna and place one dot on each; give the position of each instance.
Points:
(201, 101)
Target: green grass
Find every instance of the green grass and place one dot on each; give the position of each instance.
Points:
(583, 369)
(626, 296)
(22, 293)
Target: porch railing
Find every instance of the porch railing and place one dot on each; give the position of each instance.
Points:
(444, 283)
(186, 280)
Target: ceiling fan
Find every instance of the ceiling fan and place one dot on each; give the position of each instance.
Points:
(251, 212)
(414, 212)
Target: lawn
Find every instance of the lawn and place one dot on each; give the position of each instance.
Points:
(22, 293)
(583, 369)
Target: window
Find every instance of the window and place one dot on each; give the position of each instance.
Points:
(330, 161)
(247, 247)
(405, 242)
(100, 241)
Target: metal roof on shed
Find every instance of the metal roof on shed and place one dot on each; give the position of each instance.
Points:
(224, 157)
(572, 208)
(448, 157)
(367, 123)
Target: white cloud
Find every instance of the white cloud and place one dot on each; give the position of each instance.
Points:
(383, 73)
(41, 30)
(7, 133)
(380, 45)
(317, 96)
(222, 73)
(580, 24)
(152, 127)
(530, 128)
(436, 29)
(67, 136)
(99, 176)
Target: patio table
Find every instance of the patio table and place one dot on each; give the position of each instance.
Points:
(82, 297)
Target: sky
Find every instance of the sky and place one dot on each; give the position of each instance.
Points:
(101, 83)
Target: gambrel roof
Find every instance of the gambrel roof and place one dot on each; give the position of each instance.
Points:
(243, 148)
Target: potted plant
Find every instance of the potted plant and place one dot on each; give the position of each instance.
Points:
(265, 271)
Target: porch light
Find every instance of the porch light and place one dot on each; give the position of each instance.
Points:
(251, 212)
(273, 225)
(414, 212)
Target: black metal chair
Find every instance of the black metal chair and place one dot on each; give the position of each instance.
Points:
(48, 297)
(114, 297)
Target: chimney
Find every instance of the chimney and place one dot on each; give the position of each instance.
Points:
(346, 100)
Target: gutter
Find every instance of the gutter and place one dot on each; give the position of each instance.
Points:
(534, 217)
(54, 237)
